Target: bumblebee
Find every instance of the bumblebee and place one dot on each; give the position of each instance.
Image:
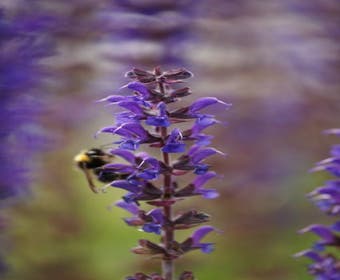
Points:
(91, 162)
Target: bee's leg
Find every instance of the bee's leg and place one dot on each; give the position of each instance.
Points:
(89, 179)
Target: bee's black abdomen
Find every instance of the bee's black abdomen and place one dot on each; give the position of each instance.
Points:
(107, 176)
(97, 158)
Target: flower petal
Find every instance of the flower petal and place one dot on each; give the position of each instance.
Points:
(200, 233)
(139, 87)
(130, 207)
(201, 103)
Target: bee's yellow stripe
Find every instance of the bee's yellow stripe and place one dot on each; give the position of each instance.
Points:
(81, 158)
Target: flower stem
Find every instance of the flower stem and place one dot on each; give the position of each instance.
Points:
(168, 231)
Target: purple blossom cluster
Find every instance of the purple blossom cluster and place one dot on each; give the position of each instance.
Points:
(146, 32)
(148, 117)
(24, 41)
(326, 265)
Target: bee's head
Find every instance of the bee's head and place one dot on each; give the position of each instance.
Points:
(92, 158)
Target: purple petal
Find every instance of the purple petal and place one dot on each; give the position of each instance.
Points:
(204, 102)
(320, 230)
(162, 109)
(335, 131)
(175, 136)
(128, 145)
(309, 254)
(152, 161)
(201, 123)
(203, 139)
(336, 226)
(209, 193)
(157, 215)
(148, 174)
(107, 129)
(139, 87)
(118, 167)
(152, 228)
(126, 117)
(129, 197)
(127, 155)
(158, 121)
(113, 98)
(130, 207)
(207, 248)
(204, 153)
(335, 151)
(132, 106)
(173, 143)
(200, 233)
(193, 149)
(333, 184)
(201, 169)
(174, 148)
(206, 120)
(201, 180)
(126, 185)
(131, 130)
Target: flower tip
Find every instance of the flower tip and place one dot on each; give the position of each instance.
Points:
(299, 254)
(227, 105)
(335, 131)
(101, 100)
(124, 86)
(315, 169)
(95, 136)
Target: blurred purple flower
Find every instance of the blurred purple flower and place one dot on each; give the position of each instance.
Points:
(327, 198)
(150, 32)
(24, 41)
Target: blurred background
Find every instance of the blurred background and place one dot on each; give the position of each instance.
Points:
(276, 61)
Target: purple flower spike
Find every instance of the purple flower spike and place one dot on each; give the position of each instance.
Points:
(145, 119)
(326, 266)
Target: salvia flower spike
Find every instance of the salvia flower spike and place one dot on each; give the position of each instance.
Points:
(325, 264)
(146, 119)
